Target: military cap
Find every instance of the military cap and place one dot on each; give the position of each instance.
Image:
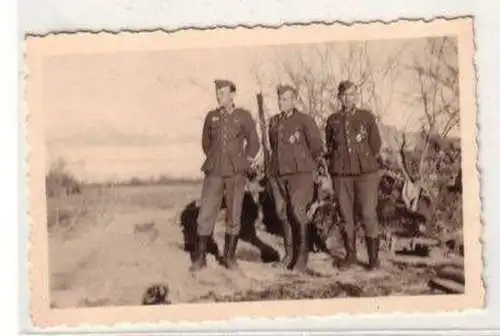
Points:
(344, 86)
(280, 89)
(220, 83)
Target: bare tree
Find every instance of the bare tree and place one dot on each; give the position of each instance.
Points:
(316, 70)
(436, 94)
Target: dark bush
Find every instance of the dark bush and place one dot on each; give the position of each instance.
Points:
(60, 182)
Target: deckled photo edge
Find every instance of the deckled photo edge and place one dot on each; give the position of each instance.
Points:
(42, 315)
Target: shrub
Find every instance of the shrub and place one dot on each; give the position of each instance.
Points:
(442, 211)
(60, 182)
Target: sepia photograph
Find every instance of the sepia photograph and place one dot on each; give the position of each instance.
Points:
(254, 166)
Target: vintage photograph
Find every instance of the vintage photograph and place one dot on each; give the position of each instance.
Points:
(299, 167)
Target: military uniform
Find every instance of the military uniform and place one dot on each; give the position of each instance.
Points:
(296, 144)
(353, 146)
(230, 142)
(227, 160)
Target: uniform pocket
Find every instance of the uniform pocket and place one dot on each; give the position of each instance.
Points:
(242, 163)
(214, 130)
(303, 158)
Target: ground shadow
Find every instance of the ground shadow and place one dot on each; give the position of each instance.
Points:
(188, 223)
(264, 201)
(248, 231)
(261, 204)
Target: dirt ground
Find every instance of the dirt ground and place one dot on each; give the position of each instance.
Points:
(107, 246)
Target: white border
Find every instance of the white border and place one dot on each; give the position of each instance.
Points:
(9, 172)
(42, 16)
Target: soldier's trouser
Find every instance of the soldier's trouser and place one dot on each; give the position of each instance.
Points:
(213, 191)
(364, 190)
(295, 191)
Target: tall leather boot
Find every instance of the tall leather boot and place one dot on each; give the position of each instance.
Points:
(372, 247)
(288, 245)
(200, 260)
(230, 242)
(350, 248)
(302, 249)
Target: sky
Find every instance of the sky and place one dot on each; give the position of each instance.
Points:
(116, 116)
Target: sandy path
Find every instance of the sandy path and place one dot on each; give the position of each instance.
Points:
(112, 263)
(112, 258)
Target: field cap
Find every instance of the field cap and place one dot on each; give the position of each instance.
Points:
(344, 86)
(282, 88)
(220, 83)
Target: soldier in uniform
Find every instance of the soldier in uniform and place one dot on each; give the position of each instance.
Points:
(296, 145)
(353, 146)
(230, 143)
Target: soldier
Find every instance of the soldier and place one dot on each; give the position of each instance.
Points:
(353, 147)
(230, 143)
(296, 144)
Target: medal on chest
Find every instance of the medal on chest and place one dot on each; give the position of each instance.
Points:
(294, 137)
(361, 134)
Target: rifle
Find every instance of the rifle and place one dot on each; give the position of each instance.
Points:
(263, 129)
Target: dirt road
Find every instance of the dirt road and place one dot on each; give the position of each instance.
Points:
(107, 246)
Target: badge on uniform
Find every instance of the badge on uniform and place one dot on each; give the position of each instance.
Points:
(362, 134)
(295, 137)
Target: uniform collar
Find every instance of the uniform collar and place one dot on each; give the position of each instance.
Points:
(349, 113)
(286, 115)
(224, 111)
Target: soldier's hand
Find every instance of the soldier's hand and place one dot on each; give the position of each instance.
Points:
(321, 163)
(380, 162)
(252, 170)
(254, 164)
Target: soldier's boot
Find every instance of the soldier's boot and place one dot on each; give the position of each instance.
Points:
(200, 260)
(288, 245)
(350, 247)
(230, 242)
(372, 247)
(302, 250)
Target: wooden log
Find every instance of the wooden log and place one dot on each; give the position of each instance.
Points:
(416, 261)
(448, 286)
(452, 273)
(425, 241)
